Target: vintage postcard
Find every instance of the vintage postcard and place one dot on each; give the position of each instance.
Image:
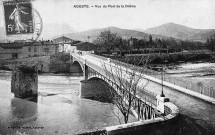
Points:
(107, 67)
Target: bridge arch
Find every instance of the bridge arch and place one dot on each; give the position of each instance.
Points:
(76, 67)
(96, 88)
(92, 78)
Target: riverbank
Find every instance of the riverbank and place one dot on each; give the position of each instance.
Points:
(203, 73)
(166, 58)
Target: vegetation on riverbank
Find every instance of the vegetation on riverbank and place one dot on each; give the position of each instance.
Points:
(166, 59)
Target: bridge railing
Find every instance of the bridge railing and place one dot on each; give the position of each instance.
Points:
(121, 89)
(185, 83)
(147, 126)
(148, 113)
(144, 125)
(99, 56)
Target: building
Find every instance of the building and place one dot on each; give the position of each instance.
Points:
(63, 44)
(83, 47)
(39, 49)
(28, 49)
(68, 45)
(65, 47)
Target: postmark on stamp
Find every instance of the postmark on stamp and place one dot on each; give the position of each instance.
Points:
(18, 17)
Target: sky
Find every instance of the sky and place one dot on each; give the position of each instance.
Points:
(146, 13)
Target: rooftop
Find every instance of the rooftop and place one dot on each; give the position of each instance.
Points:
(83, 43)
(62, 39)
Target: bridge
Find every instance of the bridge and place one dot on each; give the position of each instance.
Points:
(144, 106)
(184, 97)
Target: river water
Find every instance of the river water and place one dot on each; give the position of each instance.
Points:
(58, 109)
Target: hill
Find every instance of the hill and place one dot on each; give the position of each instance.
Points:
(124, 33)
(181, 32)
(177, 31)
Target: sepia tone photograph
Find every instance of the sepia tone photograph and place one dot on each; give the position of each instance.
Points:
(107, 67)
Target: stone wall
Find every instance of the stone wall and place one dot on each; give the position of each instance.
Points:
(24, 82)
(59, 63)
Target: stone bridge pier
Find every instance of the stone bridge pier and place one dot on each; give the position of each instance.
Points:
(24, 82)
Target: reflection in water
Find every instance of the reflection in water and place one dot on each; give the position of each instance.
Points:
(24, 113)
(22, 109)
(17, 116)
(94, 118)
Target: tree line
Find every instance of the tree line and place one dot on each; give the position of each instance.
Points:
(110, 41)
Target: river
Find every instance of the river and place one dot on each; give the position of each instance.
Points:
(58, 109)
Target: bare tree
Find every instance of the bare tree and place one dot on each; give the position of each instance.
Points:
(108, 40)
(126, 78)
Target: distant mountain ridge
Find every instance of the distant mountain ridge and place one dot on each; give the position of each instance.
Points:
(124, 33)
(181, 32)
(168, 30)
